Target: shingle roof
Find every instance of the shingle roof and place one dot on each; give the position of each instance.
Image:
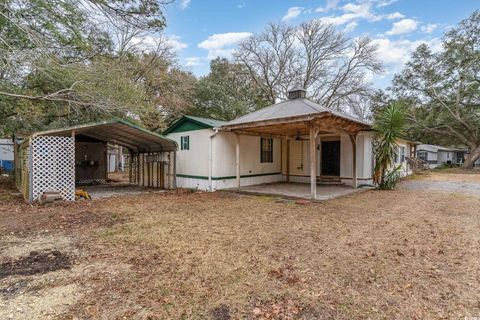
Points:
(290, 108)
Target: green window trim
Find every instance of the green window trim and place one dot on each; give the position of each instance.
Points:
(185, 143)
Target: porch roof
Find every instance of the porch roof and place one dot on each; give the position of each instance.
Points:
(293, 117)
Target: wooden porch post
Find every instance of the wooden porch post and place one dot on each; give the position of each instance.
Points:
(353, 139)
(237, 161)
(174, 169)
(287, 161)
(313, 162)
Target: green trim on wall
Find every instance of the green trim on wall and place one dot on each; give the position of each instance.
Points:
(227, 177)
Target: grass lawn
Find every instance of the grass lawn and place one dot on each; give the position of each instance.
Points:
(373, 255)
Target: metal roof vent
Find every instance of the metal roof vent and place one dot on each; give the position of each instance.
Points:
(297, 93)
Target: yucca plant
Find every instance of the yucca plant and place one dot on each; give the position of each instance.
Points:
(389, 126)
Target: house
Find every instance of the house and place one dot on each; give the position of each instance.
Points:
(60, 159)
(436, 155)
(295, 140)
(6, 155)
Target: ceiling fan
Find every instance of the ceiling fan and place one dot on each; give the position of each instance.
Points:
(298, 137)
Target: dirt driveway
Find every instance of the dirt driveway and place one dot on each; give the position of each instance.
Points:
(446, 182)
(412, 253)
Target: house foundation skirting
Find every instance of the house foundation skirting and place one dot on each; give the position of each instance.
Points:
(225, 182)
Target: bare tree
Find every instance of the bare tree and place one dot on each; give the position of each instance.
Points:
(315, 56)
(269, 57)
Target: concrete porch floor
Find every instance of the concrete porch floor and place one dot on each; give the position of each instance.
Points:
(298, 190)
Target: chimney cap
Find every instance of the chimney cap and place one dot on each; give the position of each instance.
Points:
(297, 92)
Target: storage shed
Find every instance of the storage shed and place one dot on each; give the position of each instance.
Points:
(57, 160)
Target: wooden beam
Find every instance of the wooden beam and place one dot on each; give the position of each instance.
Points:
(287, 161)
(353, 139)
(174, 169)
(237, 161)
(313, 162)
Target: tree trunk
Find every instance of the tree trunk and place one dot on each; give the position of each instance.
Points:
(472, 157)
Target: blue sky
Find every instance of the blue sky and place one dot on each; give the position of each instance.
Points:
(202, 29)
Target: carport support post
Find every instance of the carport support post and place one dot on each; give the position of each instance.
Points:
(237, 159)
(353, 139)
(313, 162)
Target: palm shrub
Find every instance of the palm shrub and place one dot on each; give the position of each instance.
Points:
(389, 126)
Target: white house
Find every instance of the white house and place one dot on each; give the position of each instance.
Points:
(293, 141)
(436, 155)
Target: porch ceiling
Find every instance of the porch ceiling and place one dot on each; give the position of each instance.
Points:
(324, 123)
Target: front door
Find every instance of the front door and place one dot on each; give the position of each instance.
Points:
(331, 158)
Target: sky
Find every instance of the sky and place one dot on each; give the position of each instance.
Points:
(200, 30)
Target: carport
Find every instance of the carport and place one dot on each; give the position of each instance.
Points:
(57, 160)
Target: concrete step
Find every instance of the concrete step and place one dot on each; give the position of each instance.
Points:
(329, 181)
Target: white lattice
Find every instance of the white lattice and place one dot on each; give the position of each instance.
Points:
(53, 166)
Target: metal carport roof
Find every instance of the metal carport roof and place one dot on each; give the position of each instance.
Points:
(118, 132)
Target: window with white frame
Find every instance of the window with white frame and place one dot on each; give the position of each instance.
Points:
(402, 154)
(185, 143)
(399, 155)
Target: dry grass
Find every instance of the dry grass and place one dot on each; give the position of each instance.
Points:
(377, 254)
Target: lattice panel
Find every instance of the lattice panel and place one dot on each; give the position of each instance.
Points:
(53, 166)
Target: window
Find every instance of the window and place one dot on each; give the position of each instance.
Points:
(185, 143)
(402, 154)
(399, 155)
(266, 150)
(422, 155)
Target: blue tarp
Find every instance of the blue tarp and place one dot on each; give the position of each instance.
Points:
(6, 165)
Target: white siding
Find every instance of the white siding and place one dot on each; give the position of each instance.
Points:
(193, 162)
(224, 154)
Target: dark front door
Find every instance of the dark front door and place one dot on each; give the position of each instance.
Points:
(331, 158)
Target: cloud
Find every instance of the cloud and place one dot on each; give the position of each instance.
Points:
(174, 42)
(384, 3)
(395, 15)
(355, 11)
(351, 12)
(331, 4)
(403, 26)
(221, 44)
(292, 13)
(350, 27)
(397, 53)
(184, 4)
(193, 61)
(429, 28)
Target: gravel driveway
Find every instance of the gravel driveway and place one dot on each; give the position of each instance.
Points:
(445, 182)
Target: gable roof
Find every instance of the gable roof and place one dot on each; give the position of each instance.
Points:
(120, 132)
(291, 109)
(198, 123)
(435, 148)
